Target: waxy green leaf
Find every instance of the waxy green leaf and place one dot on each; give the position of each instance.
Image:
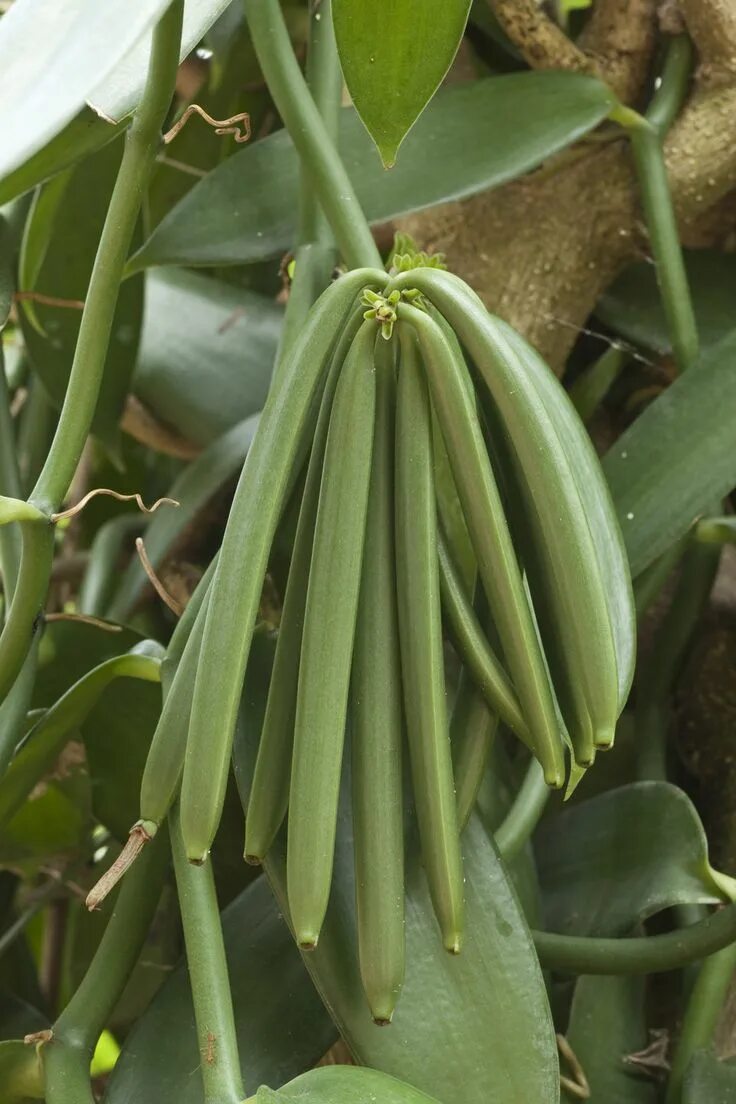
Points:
(75, 46)
(206, 354)
(84, 74)
(709, 1081)
(345, 1085)
(469, 139)
(633, 304)
(394, 57)
(607, 1023)
(677, 458)
(645, 839)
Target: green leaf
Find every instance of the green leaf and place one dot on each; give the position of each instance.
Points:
(54, 729)
(64, 251)
(207, 352)
(677, 458)
(607, 1023)
(471, 138)
(117, 734)
(345, 1085)
(709, 1081)
(85, 72)
(52, 57)
(21, 1073)
(633, 304)
(394, 58)
(645, 839)
(192, 490)
(69, 649)
(281, 1025)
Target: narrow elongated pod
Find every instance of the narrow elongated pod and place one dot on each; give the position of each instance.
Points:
(497, 561)
(269, 796)
(327, 641)
(377, 725)
(238, 579)
(472, 730)
(576, 564)
(420, 634)
(474, 647)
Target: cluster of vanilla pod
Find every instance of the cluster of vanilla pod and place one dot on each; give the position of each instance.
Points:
(386, 365)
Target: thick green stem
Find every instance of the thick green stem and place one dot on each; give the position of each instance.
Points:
(309, 134)
(516, 829)
(673, 87)
(67, 1056)
(213, 1009)
(639, 955)
(142, 143)
(701, 1018)
(314, 260)
(10, 485)
(646, 135)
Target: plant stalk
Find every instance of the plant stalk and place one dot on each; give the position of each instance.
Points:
(516, 829)
(309, 134)
(67, 1055)
(213, 1010)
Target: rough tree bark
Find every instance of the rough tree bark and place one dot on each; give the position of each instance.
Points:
(542, 249)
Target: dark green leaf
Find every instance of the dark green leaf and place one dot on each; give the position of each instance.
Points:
(117, 734)
(709, 1081)
(71, 648)
(607, 1023)
(206, 353)
(394, 60)
(471, 138)
(677, 458)
(632, 306)
(608, 863)
(192, 490)
(83, 54)
(281, 1025)
(70, 246)
(345, 1085)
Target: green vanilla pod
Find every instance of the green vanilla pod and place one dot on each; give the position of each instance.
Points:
(420, 633)
(497, 559)
(238, 580)
(377, 725)
(474, 648)
(472, 731)
(577, 566)
(269, 796)
(327, 641)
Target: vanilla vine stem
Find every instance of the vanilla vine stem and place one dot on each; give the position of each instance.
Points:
(309, 134)
(142, 143)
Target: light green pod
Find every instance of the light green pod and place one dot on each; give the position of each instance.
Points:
(269, 795)
(472, 731)
(238, 580)
(377, 725)
(474, 648)
(327, 641)
(497, 561)
(573, 550)
(420, 632)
